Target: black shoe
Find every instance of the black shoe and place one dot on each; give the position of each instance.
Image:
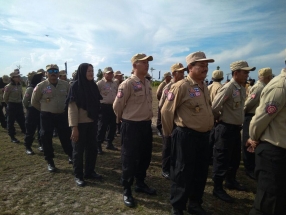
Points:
(29, 151)
(221, 194)
(166, 175)
(79, 182)
(51, 166)
(128, 198)
(40, 149)
(196, 209)
(141, 187)
(94, 175)
(70, 160)
(14, 140)
(176, 211)
(110, 146)
(250, 174)
(99, 150)
(234, 185)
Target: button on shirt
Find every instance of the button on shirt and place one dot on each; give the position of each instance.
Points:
(107, 90)
(12, 93)
(187, 105)
(253, 98)
(213, 89)
(228, 104)
(268, 123)
(49, 98)
(134, 100)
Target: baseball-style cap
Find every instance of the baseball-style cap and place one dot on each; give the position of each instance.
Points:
(107, 70)
(17, 71)
(241, 65)
(197, 56)
(139, 57)
(148, 75)
(63, 73)
(31, 75)
(217, 74)
(74, 73)
(5, 79)
(52, 66)
(40, 71)
(265, 72)
(167, 74)
(177, 67)
(118, 73)
(14, 74)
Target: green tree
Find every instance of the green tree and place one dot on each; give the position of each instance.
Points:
(99, 75)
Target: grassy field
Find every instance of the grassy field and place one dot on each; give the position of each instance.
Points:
(28, 188)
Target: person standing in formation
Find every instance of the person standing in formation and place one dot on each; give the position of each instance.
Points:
(3, 82)
(63, 75)
(118, 78)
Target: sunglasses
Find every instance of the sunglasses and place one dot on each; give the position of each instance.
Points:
(53, 71)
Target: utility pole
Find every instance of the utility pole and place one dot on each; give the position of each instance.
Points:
(66, 67)
(152, 69)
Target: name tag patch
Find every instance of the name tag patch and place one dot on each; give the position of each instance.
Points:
(194, 92)
(137, 86)
(235, 93)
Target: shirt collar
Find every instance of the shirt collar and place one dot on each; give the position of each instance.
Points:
(235, 84)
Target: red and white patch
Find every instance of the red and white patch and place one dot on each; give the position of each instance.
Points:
(170, 96)
(252, 96)
(119, 94)
(225, 98)
(27, 95)
(166, 92)
(271, 109)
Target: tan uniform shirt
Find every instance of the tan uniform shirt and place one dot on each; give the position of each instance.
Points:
(27, 97)
(268, 123)
(107, 90)
(77, 115)
(12, 93)
(134, 100)
(229, 102)
(213, 89)
(187, 105)
(253, 98)
(46, 97)
(160, 90)
(165, 94)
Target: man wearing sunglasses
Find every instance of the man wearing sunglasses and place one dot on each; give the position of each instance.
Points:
(49, 97)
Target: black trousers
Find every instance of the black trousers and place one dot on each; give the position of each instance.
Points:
(107, 119)
(87, 145)
(189, 166)
(2, 117)
(248, 158)
(270, 171)
(136, 150)
(32, 123)
(159, 121)
(15, 112)
(166, 154)
(49, 121)
(226, 152)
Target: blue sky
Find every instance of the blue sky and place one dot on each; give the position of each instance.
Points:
(110, 32)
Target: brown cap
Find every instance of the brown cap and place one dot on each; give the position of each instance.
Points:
(241, 65)
(5, 79)
(107, 70)
(40, 71)
(177, 67)
(74, 73)
(14, 74)
(17, 71)
(265, 72)
(31, 75)
(118, 73)
(196, 57)
(139, 57)
(217, 74)
(52, 66)
(63, 73)
(167, 74)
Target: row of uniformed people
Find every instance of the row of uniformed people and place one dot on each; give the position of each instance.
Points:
(4, 80)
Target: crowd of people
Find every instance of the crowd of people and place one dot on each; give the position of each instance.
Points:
(199, 124)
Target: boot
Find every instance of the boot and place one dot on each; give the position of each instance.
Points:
(14, 139)
(110, 146)
(220, 193)
(99, 149)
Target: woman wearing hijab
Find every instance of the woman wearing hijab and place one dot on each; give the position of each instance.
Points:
(83, 106)
(32, 116)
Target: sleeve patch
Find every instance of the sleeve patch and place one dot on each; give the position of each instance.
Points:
(253, 96)
(27, 95)
(271, 108)
(170, 96)
(35, 89)
(119, 94)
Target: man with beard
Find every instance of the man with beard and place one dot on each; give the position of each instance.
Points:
(49, 98)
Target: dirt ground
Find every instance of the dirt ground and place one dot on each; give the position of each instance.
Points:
(26, 187)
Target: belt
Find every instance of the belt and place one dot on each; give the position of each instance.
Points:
(249, 114)
(186, 129)
(230, 125)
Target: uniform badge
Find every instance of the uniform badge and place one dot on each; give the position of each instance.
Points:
(235, 93)
(192, 93)
(170, 96)
(48, 100)
(271, 107)
(197, 108)
(236, 104)
(119, 94)
(137, 86)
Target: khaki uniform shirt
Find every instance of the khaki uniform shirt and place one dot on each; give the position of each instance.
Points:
(107, 90)
(13, 93)
(229, 102)
(27, 97)
(268, 123)
(253, 97)
(165, 94)
(160, 90)
(187, 105)
(134, 100)
(46, 97)
(213, 89)
(77, 115)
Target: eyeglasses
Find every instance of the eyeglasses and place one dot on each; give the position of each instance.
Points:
(53, 71)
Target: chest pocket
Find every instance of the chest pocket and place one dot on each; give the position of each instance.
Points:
(236, 102)
(139, 97)
(197, 106)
